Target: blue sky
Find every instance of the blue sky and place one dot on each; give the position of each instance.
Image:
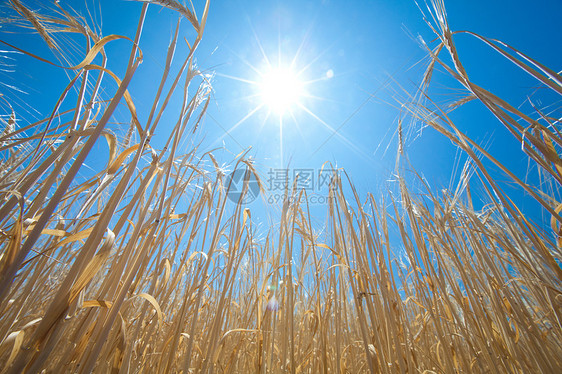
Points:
(356, 56)
(371, 49)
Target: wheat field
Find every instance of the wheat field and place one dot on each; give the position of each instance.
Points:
(141, 265)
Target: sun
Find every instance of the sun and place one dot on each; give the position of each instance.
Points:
(280, 89)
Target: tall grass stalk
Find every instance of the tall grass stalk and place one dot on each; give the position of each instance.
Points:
(143, 266)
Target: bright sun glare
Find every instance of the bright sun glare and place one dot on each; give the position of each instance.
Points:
(280, 89)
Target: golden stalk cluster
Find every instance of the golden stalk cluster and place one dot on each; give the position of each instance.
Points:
(146, 266)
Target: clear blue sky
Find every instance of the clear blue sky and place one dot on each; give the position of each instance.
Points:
(355, 55)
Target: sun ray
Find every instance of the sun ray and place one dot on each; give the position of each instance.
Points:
(281, 142)
(320, 98)
(334, 131)
(260, 46)
(251, 113)
(236, 78)
(244, 61)
(312, 61)
(262, 124)
(321, 79)
(301, 45)
(307, 142)
(226, 132)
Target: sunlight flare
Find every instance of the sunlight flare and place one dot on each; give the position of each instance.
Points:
(280, 89)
